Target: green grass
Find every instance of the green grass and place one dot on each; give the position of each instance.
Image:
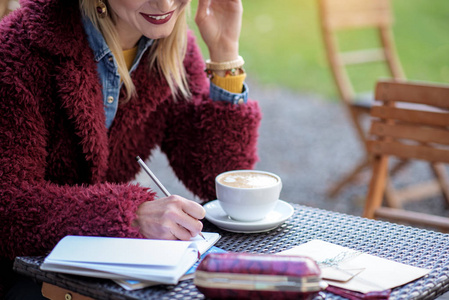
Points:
(281, 43)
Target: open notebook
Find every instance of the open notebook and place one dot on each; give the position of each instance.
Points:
(131, 285)
(160, 261)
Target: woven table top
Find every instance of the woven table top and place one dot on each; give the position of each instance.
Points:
(405, 244)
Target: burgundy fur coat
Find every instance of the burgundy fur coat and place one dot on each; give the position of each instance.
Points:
(62, 172)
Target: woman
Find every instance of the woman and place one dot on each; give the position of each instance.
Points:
(85, 88)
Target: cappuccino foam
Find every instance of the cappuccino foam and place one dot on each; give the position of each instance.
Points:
(247, 180)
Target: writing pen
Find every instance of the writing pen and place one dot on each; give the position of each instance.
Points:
(158, 183)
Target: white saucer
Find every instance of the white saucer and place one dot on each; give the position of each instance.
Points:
(215, 214)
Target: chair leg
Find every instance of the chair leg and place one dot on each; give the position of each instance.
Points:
(443, 179)
(376, 187)
(348, 178)
(356, 113)
(391, 198)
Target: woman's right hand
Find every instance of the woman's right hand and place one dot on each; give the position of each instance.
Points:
(170, 218)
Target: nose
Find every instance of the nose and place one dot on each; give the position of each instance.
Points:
(164, 5)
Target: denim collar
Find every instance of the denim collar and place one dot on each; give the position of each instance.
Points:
(98, 43)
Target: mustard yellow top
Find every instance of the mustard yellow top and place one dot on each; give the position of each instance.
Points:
(129, 56)
(233, 84)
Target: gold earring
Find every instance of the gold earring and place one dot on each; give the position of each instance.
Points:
(101, 9)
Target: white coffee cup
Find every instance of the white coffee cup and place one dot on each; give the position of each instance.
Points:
(247, 195)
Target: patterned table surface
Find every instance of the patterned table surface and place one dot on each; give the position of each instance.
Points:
(405, 244)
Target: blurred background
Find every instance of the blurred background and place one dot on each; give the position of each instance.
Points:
(282, 44)
(306, 135)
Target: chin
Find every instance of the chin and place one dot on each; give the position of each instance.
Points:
(159, 34)
(157, 37)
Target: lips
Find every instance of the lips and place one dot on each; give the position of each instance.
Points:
(158, 19)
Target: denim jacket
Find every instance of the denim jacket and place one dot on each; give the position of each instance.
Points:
(110, 78)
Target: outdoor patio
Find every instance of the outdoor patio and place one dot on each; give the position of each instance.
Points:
(310, 143)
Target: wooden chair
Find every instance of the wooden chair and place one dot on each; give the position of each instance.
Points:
(411, 122)
(337, 16)
(54, 292)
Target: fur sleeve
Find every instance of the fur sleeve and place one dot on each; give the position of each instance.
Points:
(205, 138)
(36, 213)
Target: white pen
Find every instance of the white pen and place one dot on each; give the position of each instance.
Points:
(158, 183)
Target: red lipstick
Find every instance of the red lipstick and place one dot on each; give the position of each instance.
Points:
(158, 19)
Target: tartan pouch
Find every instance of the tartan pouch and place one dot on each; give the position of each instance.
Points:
(258, 276)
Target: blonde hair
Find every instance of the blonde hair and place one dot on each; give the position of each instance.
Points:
(7, 6)
(3, 8)
(166, 54)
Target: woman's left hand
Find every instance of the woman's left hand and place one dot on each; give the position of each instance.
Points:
(220, 22)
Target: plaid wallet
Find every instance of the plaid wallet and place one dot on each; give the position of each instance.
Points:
(258, 276)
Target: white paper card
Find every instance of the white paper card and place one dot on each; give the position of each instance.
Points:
(354, 270)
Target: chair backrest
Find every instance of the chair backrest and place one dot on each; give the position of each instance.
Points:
(337, 15)
(411, 122)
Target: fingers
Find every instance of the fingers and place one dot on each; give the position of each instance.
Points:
(202, 10)
(183, 217)
(181, 233)
(173, 217)
(203, 6)
(189, 219)
(194, 209)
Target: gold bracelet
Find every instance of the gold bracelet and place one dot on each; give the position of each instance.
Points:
(232, 72)
(227, 65)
